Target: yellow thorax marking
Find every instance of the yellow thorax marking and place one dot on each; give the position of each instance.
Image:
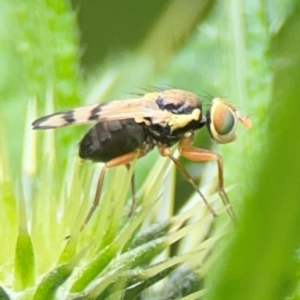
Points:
(180, 121)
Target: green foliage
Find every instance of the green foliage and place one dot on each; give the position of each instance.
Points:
(246, 51)
(261, 261)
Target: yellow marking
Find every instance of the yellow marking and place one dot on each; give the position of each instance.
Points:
(141, 120)
(188, 134)
(152, 95)
(180, 121)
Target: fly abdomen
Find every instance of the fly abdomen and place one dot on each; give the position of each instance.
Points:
(111, 139)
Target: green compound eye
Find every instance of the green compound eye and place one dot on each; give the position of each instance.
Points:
(223, 120)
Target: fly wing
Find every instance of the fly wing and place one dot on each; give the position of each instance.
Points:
(137, 108)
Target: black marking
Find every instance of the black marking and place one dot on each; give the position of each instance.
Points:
(68, 116)
(36, 124)
(181, 108)
(96, 110)
(164, 135)
(94, 115)
(208, 122)
(36, 127)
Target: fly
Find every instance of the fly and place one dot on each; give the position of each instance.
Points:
(129, 129)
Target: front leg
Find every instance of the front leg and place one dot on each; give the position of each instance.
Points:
(201, 155)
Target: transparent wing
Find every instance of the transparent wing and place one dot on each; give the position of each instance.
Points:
(138, 108)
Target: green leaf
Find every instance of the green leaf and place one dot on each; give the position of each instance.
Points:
(3, 294)
(24, 272)
(261, 261)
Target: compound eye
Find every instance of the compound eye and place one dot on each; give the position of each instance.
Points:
(222, 121)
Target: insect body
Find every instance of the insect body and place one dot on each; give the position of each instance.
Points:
(129, 129)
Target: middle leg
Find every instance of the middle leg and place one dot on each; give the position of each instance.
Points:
(164, 151)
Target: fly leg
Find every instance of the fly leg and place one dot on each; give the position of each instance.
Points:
(164, 151)
(202, 155)
(118, 161)
(132, 183)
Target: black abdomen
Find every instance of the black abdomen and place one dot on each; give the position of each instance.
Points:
(110, 139)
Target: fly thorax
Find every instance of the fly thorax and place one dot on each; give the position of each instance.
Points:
(183, 120)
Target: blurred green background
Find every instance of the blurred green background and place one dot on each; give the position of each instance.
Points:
(57, 55)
